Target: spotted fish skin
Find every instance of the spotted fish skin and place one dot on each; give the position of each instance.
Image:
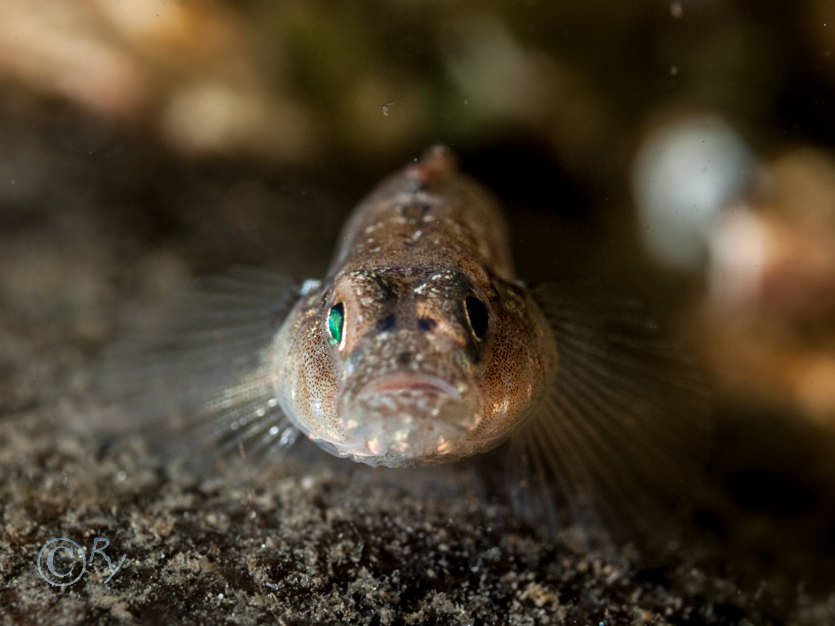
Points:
(414, 378)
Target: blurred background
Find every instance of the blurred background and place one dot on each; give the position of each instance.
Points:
(684, 147)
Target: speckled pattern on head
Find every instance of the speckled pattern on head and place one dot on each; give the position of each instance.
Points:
(419, 346)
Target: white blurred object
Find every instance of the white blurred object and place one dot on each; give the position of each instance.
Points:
(684, 174)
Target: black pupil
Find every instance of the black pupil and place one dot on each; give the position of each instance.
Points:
(477, 315)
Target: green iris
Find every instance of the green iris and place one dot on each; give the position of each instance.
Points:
(336, 320)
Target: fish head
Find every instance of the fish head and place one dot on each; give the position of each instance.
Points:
(401, 367)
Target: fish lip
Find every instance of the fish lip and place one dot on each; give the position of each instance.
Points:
(387, 422)
(411, 381)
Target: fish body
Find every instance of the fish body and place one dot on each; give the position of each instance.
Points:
(441, 352)
(420, 346)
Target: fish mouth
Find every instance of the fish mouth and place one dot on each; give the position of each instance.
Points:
(405, 417)
(408, 381)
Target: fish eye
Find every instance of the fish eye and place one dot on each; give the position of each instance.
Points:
(336, 322)
(476, 316)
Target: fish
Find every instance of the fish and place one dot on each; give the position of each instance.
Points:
(421, 347)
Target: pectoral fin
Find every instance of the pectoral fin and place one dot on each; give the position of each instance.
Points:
(619, 440)
(196, 380)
